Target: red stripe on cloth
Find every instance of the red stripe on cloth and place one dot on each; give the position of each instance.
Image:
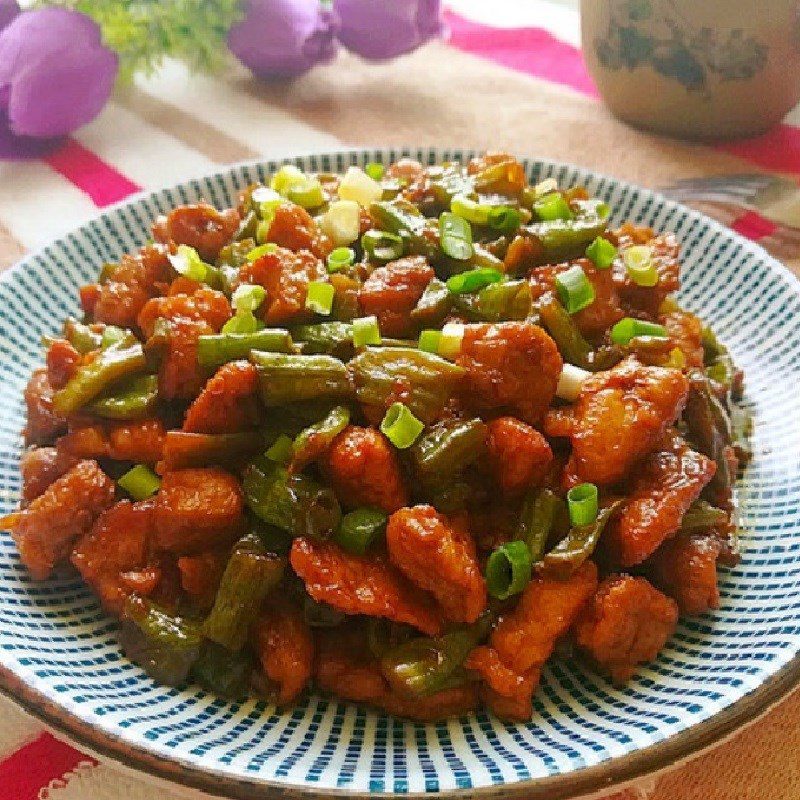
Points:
(90, 174)
(752, 225)
(534, 51)
(537, 52)
(25, 773)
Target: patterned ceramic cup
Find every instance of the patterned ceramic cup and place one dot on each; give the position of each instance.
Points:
(697, 68)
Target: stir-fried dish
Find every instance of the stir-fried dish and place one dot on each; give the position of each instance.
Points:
(398, 435)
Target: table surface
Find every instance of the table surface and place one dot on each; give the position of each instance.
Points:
(509, 77)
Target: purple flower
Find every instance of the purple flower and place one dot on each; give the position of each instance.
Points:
(8, 10)
(284, 38)
(383, 29)
(55, 75)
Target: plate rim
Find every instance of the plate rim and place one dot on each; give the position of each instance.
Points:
(612, 773)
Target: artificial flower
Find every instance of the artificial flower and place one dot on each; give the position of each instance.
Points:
(383, 29)
(284, 38)
(55, 75)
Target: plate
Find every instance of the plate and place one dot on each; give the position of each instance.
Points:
(59, 657)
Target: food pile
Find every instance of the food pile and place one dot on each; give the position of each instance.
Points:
(399, 435)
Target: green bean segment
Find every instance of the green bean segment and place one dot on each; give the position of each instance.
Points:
(215, 350)
(288, 378)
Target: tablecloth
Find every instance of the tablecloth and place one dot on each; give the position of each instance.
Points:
(510, 76)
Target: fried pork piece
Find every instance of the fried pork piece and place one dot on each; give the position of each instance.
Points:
(438, 557)
(45, 531)
(620, 417)
(40, 466)
(117, 544)
(511, 366)
(626, 624)
(285, 275)
(43, 422)
(139, 440)
(364, 471)
(198, 225)
(203, 305)
(665, 249)
(201, 575)
(519, 456)
(686, 332)
(197, 510)
(685, 568)
(62, 361)
(227, 403)
(285, 648)
(295, 229)
(391, 293)
(367, 585)
(668, 482)
(345, 668)
(133, 282)
(525, 637)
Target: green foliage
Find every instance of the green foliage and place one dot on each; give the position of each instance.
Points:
(145, 32)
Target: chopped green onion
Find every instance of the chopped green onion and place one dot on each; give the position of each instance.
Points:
(281, 450)
(366, 331)
(261, 250)
(582, 504)
(309, 195)
(187, 262)
(470, 210)
(319, 297)
(382, 246)
(140, 482)
(401, 427)
(570, 382)
(473, 280)
(575, 290)
(429, 341)
(375, 170)
(340, 258)
(357, 185)
(640, 265)
(601, 252)
(263, 194)
(504, 219)
(455, 236)
(450, 339)
(508, 570)
(248, 297)
(629, 328)
(286, 177)
(243, 322)
(342, 222)
(111, 335)
(551, 207)
(545, 187)
(359, 529)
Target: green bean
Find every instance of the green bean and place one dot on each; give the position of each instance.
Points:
(119, 336)
(384, 635)
(133, 398)
(296, 504)
(313, 441)
(433, 306)
(578, 545)
(542, 510)
(222, 672)
(449, 447)
(509, 300)
(163, 644)
(428, 380)
(423, 666)
(563, 240)
(91, 379)
(183, 450)
(215, 350)
(82, 337)
(250, 574)
(275, 540)
(328, 338)
(289, 378)
(701, 515)
(406, 221)
(359, 529)
(248, 226)
(453, 181)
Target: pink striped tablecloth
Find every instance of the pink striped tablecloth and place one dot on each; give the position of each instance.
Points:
(510, 76)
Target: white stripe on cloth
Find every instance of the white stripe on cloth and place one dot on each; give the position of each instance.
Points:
(141, 152)
(269, 130)
(37, 204)
(562, 22)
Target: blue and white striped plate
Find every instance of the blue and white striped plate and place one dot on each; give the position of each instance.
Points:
(59, 656)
